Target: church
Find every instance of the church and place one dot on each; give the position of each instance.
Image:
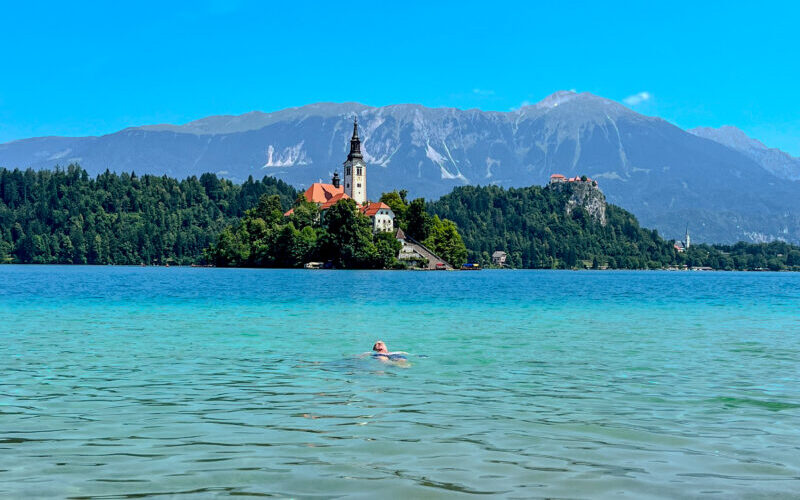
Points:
(355, 187)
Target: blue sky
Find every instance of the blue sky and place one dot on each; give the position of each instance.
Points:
(73, 68)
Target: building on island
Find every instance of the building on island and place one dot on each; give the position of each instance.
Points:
(499, 258)
(684, 245)
(558, 178)
(381, 215)
(355, 170)
(355, 187)
(321, 193)
(415, 254)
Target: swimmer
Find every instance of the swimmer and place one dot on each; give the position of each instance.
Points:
(381, 353)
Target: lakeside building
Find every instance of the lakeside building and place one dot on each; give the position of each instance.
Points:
(684, 245)
(355, 187)
(499, 258)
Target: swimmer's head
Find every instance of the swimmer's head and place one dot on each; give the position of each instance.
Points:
(380, 346)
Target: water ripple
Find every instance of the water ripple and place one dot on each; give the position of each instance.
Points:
(214, 382)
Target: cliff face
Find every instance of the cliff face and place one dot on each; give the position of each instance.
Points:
(583, 194)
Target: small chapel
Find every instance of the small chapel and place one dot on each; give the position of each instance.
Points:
(355, 187)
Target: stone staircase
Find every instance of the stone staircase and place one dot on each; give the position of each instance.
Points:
(412, 249)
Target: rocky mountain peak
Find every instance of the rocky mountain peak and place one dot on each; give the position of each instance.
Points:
(556, 98)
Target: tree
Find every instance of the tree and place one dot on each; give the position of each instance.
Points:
(304, 213)
(64, 216)
(269, 208)
(348, 241)
(388, 247)
(396, 201)
(445, 241)
(418, 222)
(793, 258)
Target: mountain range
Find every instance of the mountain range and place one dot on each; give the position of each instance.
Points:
(725, 186)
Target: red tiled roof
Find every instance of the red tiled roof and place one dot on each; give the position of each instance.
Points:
(290, 212)
(333, 200)
(372, 208)
(321, 193)
(557, 176)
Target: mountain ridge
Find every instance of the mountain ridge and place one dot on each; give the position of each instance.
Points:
(668, 177)
(774, 160)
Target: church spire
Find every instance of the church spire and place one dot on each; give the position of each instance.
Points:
(688, 242)
(355, 142)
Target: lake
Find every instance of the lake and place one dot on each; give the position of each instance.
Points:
(121, 382)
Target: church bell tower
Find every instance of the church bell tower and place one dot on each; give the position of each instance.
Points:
(355, 170)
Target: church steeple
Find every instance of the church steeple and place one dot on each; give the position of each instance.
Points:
(688, 242)
(355, 143)
(355, 170)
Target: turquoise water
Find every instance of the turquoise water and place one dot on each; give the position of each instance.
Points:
(135, 382)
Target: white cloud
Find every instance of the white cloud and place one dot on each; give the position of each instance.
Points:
(635, 99)
(483, 92)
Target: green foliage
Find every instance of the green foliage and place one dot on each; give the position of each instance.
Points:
(63, 216)
(440, 236)
(397, 202)
(387, 247)
(304, 214)
(444, 240)
(266, 238)
(418, 222)
(532, 226)
(348, 241)
(774, 256)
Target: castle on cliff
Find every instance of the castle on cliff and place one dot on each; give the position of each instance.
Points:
(558, 179)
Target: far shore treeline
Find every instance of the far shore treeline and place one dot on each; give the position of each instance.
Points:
(63, 216)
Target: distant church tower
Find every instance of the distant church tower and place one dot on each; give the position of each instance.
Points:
(688, 242)
(355, 170)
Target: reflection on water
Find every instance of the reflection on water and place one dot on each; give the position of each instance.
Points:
(121, 382)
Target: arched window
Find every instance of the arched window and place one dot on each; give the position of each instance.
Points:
(359, 171)
(348, 171)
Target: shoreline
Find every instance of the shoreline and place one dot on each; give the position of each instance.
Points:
(671, 270)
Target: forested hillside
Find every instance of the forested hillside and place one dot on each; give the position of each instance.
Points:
(66, 217)
(533, 227)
